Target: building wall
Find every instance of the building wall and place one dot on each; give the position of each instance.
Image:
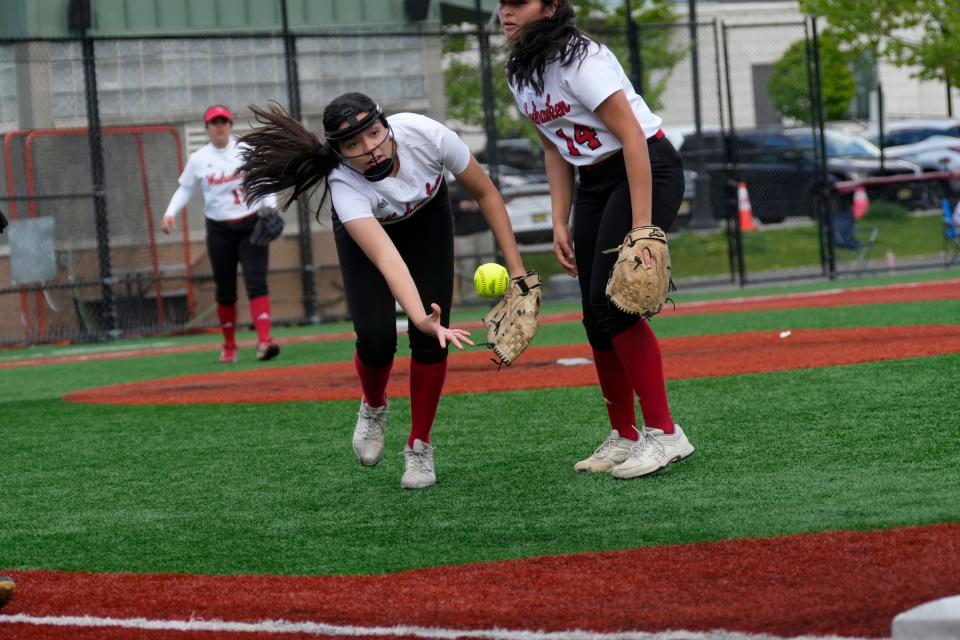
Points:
(756, 40)
(49, 18)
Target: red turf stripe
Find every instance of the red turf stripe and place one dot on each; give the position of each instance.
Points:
(844, 583)
(687, 357)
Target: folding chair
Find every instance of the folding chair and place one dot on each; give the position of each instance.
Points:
(845, 237)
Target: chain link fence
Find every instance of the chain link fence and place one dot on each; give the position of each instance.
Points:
(96, 131)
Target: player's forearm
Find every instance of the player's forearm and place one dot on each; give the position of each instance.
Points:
(636, 157)
(403, 288)
(560, 179)
(179, 200)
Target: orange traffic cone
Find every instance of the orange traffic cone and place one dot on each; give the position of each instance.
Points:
(746, 212)
(861, 203)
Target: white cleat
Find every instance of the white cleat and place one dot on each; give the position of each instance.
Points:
(369, 434)
(612, 452)
(418, 469)
(653, 452)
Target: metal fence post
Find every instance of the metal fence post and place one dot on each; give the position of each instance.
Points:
(98, 178)
(820, 120)
(307, 267)
(702, 217)
(734, 239)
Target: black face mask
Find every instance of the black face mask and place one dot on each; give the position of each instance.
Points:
(382, 169)
(379, 171)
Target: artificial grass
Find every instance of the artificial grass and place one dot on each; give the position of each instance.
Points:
(275, 488)
(881, 315)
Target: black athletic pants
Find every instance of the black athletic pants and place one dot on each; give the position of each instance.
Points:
(228, 244)
(602, 216)
(425, 242)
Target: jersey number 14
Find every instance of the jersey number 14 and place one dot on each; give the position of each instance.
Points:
(586, 136)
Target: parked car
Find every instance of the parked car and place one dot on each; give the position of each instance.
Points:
(527, 196)
(933, 144)
(901, 132)
(519, 154)
(529, 209)
(779, 168)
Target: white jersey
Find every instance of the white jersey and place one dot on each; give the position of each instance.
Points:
(215, 170)
(424, 149)
(564, 111)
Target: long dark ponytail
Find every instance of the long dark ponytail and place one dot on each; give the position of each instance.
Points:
(282, 154)
(553, 38)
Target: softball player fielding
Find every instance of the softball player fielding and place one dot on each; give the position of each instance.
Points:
(393, 227)
(230, 221)
(589, 118)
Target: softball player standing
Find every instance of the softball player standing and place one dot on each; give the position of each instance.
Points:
(393, 228)
(590, 119)
(230, 222)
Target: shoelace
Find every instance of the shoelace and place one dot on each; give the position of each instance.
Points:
(648, 440)
(420, 460)
(637, 447)
(604, 448)
(376, 423)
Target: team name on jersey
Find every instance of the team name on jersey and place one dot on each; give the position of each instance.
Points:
(548, 113)
(410, 207)
(212, 179)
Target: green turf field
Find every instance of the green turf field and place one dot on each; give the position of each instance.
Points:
(276, 489)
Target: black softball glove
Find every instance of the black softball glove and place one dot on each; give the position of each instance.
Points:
(269, 227)
(3, 222)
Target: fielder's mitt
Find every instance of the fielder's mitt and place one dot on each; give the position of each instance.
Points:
(3, 222)
(513, 322)
(638, 285)
(269, 227)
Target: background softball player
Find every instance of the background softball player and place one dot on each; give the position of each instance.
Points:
(589, 117)
(393, 228)
(230, 223)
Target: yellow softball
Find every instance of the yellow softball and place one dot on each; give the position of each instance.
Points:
(491, 280)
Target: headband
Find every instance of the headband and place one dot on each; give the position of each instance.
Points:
(349, 115)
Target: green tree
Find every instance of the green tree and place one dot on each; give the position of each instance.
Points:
(920, 33)
(462, 68)
(789, 87)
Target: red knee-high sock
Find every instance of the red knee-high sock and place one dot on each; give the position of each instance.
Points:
(373, 381)
(640, 356)
(260, 312)
(228, 324)
(426, 385)
(617, 393)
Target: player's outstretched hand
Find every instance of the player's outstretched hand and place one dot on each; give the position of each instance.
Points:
(168, 224)
(430, 325)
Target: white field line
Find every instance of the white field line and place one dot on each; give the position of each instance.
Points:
(322, 629)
